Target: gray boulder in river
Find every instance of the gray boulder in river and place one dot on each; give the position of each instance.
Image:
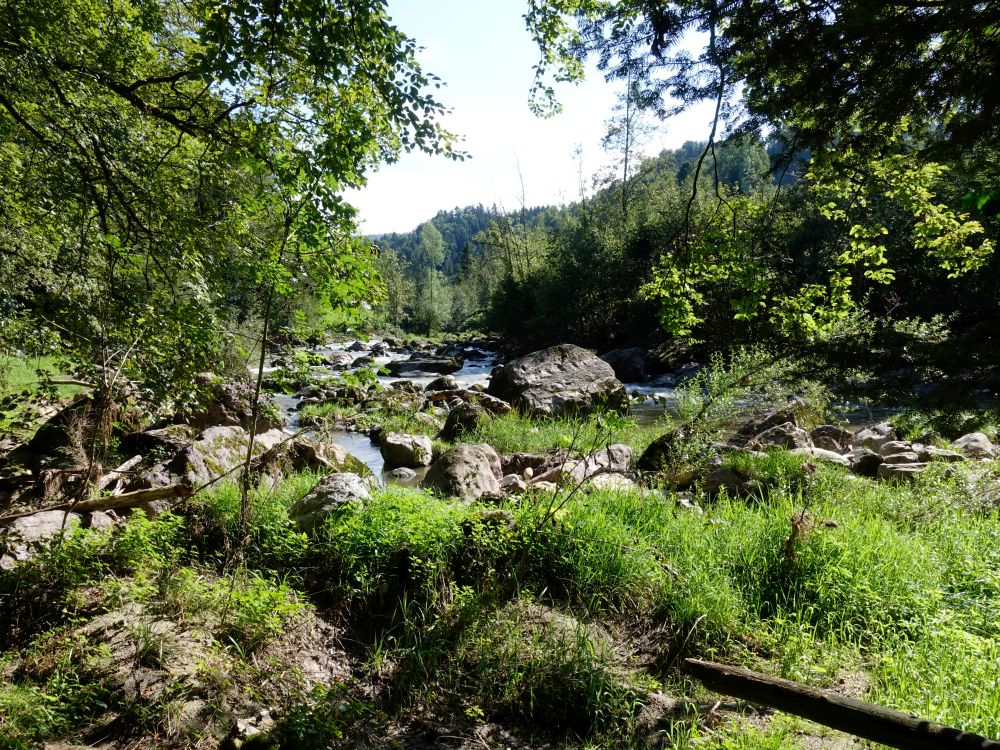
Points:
(400, 449)
(558, 380)
(418, 364)
(630, 365)
(465, 471)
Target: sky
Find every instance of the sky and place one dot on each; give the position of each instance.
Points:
(484, 55)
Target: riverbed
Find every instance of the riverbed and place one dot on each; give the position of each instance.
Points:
(650, 400)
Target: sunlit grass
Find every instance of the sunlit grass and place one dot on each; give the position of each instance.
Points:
(516, 432)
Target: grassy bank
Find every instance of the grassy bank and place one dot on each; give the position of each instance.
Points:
(25, 392)
(558, 617)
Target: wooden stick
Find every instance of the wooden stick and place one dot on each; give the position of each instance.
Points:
(866, 720)
(112, 502)
(116, 473)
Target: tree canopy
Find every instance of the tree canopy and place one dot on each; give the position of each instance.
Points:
(165, 161)
(887, 98)
(835, 71)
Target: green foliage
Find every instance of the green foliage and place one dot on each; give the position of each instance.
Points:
(274, 542)
(822, 90)
(951, 424)
(748, 380)
(404, 539)
(44, 588)
(896, 219)
(948, 676)
(160, 174)
(324, 715)
(67, 694)
(255, 610)
(513, 432)
(532, 663)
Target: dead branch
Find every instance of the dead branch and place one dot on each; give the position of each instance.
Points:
(866, 720)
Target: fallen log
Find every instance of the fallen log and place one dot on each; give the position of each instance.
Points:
(110, 502)
(865, 720)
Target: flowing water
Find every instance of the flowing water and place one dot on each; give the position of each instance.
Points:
(650, 401)
(475, 371)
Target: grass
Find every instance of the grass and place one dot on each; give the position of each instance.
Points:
(515, 432)
(534, 612)
(23, 395)
(329, 415)
(19, 373)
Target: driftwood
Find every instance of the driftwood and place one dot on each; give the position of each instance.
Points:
(866, 720)
(111, 502)
(116, 473)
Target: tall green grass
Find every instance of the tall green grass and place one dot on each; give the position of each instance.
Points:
(515, 432)
(22, 373)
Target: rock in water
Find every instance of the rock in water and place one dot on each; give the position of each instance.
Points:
(630, 365)
(443, 383)
(415, 365)
(465, 471)
(558, 380)
(400, 449)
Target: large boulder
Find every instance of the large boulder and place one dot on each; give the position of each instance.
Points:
(976, 445)
(442, 383)
(519, 463)
(230, 404)
(630, 365)
(894, 447)
(493, 405)
(611, 483)
(662, 453)
(864, 462)
(339, 360)
(419, 364)
(163, 441)
(465, 417)
(931, 453)
(210, 455)
(400, 449)
(25, 535)
(873, 438)
(900, 473)
(822, 454)
(841, 435)
(304, 454)
(615, 459)
(465, 471)
(333, 493)
(772, 417)
(785, 435)
(723, 479)
(560, 379)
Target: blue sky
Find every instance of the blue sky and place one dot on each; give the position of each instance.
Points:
(484, 55)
